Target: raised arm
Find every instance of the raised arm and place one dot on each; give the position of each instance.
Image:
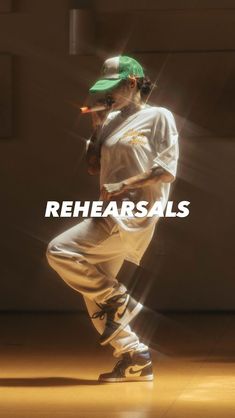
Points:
(93, 146)
(93, 155)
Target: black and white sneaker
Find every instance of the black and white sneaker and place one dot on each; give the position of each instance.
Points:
(120, 310)
(131, 368)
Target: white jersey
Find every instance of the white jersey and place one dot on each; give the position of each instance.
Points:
(131, 146)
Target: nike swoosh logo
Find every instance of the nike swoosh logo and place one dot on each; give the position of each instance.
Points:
(139, 370)
(120, 315)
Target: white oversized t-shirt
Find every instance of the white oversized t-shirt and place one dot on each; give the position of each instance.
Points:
(130, 146)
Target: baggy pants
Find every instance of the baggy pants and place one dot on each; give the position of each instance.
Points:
(88, 257)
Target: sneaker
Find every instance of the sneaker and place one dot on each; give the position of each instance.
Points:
(131, 368)
(120, 310)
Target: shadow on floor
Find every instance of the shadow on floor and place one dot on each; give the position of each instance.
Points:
(45, 381)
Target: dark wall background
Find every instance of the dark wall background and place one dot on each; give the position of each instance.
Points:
(188, 47)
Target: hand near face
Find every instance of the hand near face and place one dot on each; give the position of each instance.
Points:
(98, 118)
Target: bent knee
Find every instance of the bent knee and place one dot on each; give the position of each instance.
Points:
(51, 251)
(56, 250)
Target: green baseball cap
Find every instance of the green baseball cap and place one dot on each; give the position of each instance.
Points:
(115, 70)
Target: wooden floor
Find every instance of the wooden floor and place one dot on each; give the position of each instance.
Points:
(50, 364)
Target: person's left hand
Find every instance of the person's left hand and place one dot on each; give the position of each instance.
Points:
(112, 189)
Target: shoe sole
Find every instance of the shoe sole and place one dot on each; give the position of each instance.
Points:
(128, 379)
(131, 316)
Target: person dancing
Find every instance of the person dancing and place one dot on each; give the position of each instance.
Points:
(134, 150)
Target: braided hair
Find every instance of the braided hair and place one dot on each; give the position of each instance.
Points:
(145, 86)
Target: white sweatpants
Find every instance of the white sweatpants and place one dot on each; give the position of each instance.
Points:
(88, 257)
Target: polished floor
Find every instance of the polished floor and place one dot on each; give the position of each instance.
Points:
(50, 364)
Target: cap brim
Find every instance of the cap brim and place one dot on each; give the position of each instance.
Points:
(104, 85)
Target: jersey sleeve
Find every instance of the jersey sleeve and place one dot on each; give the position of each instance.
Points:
(165, 143)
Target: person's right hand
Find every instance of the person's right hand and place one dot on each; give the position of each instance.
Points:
(98, 118)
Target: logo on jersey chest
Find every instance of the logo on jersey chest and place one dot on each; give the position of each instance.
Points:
(134, 137)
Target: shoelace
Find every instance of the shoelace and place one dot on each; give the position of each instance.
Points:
(104, 309)
(109, 307)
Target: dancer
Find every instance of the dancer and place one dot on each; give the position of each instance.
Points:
(134, 149)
